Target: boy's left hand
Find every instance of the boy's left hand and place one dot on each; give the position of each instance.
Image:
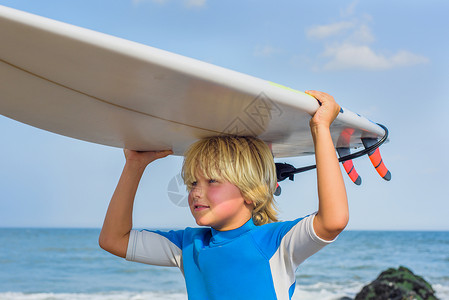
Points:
(332, 216)
(327, 112)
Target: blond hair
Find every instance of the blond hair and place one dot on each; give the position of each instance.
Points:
(246, 162)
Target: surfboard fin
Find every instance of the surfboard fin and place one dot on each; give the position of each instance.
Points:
(376, 159)
(348, 165)
(277, 192)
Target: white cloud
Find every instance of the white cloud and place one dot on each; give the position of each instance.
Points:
(325, 31)
(349, 45)
(350, 56)
(266, 51)
(361, 35)
(349, 10)
(195, 3)
(405, 58)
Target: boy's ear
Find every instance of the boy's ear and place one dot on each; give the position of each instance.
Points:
(249, 202)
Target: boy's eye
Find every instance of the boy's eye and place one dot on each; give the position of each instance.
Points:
(212, 181)
(194, 183)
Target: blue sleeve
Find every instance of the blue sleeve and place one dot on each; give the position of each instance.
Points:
(269, 237)
(174, 236)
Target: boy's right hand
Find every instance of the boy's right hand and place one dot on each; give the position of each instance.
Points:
(114, 236)
(143, 158)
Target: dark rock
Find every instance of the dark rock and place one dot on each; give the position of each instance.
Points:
(400, 284)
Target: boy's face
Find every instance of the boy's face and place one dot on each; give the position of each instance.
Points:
(218, 204)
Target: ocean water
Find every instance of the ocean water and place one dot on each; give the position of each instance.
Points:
(56, 264)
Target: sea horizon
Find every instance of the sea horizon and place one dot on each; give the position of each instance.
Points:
(67, 263)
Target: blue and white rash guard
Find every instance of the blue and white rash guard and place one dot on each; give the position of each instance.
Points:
(250, 262)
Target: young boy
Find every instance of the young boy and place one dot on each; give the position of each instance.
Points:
(243, 253)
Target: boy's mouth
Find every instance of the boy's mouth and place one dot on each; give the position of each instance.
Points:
(199, 207)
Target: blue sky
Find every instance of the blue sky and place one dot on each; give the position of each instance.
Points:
(385, 60)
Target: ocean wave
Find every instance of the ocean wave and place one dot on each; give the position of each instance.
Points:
(93, 296)
(327, 291)
(332, 291)
(442, 291)
(320, 290)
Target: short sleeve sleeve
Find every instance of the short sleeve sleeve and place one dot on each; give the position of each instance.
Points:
(155, 248)
(302, 241)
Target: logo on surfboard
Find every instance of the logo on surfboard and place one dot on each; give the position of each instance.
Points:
(255, 117)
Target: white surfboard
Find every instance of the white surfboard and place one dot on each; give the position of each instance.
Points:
(103, 89)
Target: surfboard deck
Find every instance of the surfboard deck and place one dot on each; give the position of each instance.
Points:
(107, 90)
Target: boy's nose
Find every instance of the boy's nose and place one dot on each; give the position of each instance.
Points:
(197, 192)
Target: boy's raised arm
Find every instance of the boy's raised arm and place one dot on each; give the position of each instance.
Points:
(117, 224)
(333, 212)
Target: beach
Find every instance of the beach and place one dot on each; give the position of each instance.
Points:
(56, 264)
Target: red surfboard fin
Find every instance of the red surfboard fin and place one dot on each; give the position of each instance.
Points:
(277, 192)
(348, 165)
(343, 151)
(376, 159)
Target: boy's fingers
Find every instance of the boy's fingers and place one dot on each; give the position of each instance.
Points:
(314, 93)
(146, 155)
(320, 96)
(163, 153)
